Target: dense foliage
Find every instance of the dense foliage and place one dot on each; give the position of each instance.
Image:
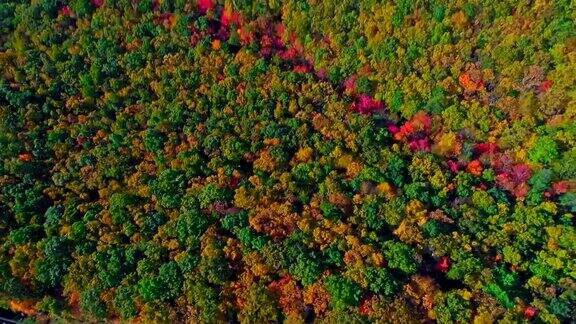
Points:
(302, 160)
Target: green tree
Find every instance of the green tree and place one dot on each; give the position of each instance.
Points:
(381, 281)
(166, 285)
(400, 256)
(545, 150)
(91, 304)
(453, 309)
(343, 291)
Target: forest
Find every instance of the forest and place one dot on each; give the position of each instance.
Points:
(288, 161)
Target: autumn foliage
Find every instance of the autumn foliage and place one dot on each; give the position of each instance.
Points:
(218, 161)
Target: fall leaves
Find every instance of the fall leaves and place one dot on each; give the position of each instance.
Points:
(171, 161)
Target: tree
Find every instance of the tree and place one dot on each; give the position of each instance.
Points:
(166, 285)
(124, 302)
(306, 270)
(112, 267)
(91, 304)
(453, 308)
(169, 188)
(545, 150)
(204, 297)
(212, 193)
(260, 306)
(343, 291)
(51, 268)
(467, 266)
(381, 281)
(154, 140)
(400, 256)
(330, 211)
(119, 204)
